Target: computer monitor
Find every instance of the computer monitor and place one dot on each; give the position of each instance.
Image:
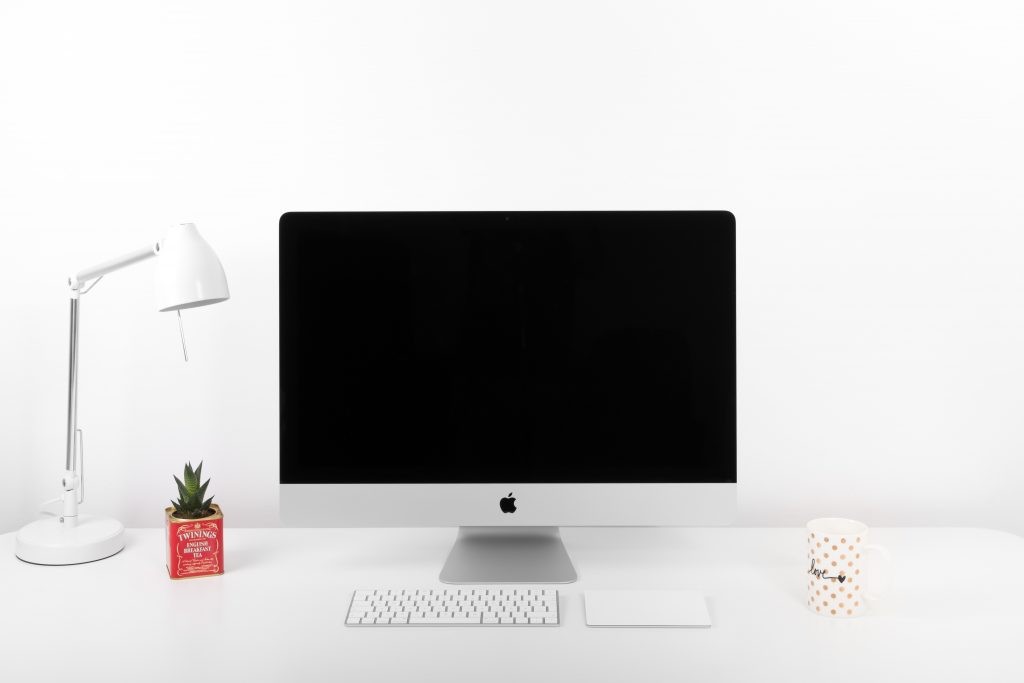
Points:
(508, 373)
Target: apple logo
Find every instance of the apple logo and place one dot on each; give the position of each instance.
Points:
(508, 504)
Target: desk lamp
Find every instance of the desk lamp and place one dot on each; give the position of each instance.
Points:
(188, 275)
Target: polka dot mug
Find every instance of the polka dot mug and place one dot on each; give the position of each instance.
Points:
(840, 579)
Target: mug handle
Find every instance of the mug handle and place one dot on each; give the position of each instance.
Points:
(876, 588)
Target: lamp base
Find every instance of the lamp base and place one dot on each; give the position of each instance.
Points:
(49, 542)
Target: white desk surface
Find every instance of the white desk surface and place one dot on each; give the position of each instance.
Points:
(955, 612)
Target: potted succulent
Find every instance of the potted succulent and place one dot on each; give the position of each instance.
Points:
(195, 529)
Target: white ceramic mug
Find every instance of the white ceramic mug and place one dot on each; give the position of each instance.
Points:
(840, 578)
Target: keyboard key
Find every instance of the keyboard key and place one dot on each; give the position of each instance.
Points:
(449, 620)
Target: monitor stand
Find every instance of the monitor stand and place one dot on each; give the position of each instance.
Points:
(508, 554)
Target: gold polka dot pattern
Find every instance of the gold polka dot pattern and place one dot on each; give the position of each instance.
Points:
(827, 578)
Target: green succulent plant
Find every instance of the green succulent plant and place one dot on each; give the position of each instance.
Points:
(190, 503)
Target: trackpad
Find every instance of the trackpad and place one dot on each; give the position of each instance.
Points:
(646, 608)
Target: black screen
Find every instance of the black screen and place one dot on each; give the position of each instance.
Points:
(508, 347)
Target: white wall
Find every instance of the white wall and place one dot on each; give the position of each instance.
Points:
(870, 151)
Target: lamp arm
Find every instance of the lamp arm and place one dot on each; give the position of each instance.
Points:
(100, 269)
(72, 481)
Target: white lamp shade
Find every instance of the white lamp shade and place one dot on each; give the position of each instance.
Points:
(188, 273)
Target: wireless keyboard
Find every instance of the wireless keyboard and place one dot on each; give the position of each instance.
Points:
(454, 607)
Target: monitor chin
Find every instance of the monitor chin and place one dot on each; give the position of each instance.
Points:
(480, 505)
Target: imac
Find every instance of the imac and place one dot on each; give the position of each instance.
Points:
(508, 373)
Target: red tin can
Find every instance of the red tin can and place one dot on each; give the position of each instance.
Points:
(195, 547)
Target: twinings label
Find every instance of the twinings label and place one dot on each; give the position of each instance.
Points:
(195, 546)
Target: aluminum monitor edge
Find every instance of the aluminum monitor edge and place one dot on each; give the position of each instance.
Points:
(436, 505)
